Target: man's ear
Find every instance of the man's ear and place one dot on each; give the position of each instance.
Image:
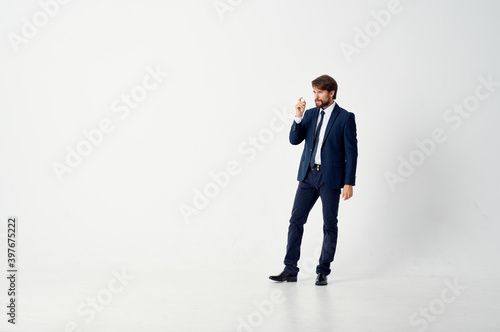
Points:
(332, 93)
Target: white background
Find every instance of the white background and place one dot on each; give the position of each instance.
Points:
(229, 75)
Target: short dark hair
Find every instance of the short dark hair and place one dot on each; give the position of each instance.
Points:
(325, 82)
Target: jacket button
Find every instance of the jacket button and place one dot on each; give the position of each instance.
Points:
(310, 149)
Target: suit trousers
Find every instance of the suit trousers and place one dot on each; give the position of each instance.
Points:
(306, 196)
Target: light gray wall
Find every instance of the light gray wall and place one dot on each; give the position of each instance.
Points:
(231, 76)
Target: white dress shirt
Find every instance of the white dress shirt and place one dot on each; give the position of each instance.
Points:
(326, 117)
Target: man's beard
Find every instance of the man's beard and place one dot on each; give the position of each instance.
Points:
(323, 104)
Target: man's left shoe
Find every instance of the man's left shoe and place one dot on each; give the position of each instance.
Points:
(285, 276)
(321, 279)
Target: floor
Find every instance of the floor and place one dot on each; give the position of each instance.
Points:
(193, 301)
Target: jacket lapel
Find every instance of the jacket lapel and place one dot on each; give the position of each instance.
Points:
(315, 123)
(333, 116)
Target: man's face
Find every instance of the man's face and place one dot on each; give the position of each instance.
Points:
(323, 98)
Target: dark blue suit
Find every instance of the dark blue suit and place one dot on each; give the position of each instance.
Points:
(339, 155)
(339, 151)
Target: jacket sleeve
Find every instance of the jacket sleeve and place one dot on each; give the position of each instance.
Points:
(298, 130)
(351, 150)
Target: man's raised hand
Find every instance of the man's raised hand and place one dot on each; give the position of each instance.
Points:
(300, 107)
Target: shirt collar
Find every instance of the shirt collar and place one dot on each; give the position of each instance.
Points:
(329, 109)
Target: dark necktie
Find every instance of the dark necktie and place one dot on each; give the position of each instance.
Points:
(316, 139)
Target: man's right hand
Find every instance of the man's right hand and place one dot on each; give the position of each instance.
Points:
(300, 107)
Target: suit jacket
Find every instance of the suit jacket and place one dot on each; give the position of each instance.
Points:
(339, 149)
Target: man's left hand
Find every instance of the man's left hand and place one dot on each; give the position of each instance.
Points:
(347, 192)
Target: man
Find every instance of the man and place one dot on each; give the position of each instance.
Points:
(327, 167)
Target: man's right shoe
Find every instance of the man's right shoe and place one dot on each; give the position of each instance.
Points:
(284, 276)
(321, 279)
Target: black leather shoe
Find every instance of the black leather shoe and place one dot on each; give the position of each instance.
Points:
(284, 276)
(321, 279)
